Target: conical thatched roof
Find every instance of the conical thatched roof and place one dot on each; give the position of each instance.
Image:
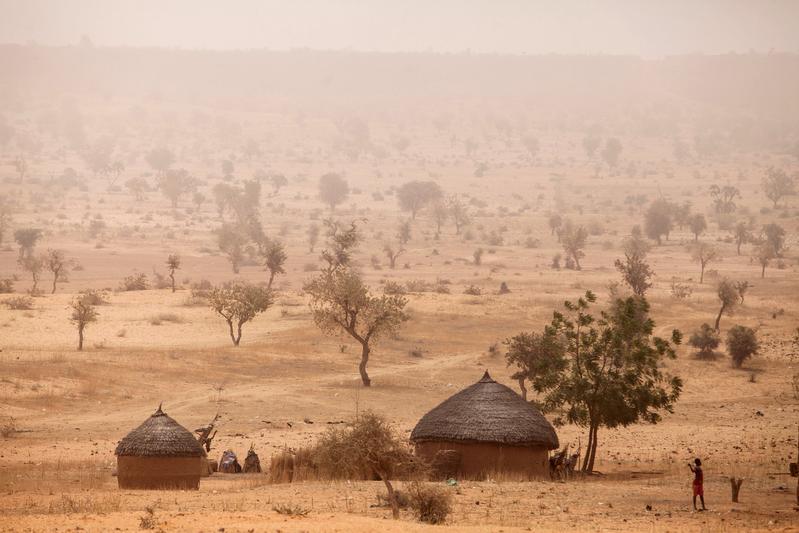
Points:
(486, 412)
(159, 435)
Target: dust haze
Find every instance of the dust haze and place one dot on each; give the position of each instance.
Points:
(399, 266)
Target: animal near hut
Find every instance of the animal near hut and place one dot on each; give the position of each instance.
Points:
(484, 430)
(159, 454)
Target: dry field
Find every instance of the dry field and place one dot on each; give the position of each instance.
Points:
(287, 382)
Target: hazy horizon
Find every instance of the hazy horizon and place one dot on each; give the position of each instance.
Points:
(618, 27)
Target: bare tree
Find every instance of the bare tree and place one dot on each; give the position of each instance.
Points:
(83, 314)
(172, 264)
(57, 263)
(341, 302)
(239, 303)
(704, 253)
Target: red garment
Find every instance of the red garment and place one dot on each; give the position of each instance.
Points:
(699, 489)
(699, 479)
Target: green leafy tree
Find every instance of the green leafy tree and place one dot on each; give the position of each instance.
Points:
(239, 303)
(610, 372)
(728, 298)
(274, 255)
(341, 303)
(536, 358)
(778, 184)
(741, 344)
(83, 314)
(634, 269)
(705, 340)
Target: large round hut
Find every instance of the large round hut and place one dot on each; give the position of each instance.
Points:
(159, 454)
(489, 429)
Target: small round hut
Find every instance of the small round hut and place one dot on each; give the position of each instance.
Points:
(159, 454)
(490, 429)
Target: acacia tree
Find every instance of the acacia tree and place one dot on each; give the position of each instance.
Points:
(728, 297)
(634, 270)
(609, 371)
(27, 238)
(724, 198)
(763, 255)
(56, 262)
(774, 237)
(341, 302)
(83, 314)
(742, 234)
(573, 239)
(333, 190)
(414, 195)
(658, 220)
(778, 184)
(704, 253)
(460, 214)
(697, 224)
(342, 240)
(160, 159)
(239, 303)
(176, 183)
(34, 264)
(392, 254)
(172, 264)
(274, 255)
(232, 240)
(440, 212)
(705, 340)
(611, 152)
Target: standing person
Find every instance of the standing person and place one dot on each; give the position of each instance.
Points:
(699, 481)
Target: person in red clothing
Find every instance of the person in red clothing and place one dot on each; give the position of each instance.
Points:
(699, 481)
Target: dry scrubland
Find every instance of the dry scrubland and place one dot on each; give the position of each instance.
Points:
(287, 382)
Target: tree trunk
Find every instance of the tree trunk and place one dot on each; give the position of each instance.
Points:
(523, 388)
(392, 498)
(80, 338)
(702, 275)
(738, 247)
(718, 318)
(763, 272)
(735, 485)
(362, 367)
(55, 280)
(172, 277)
(271, 279)
(592, 451)
(588, 461)
(232, 335)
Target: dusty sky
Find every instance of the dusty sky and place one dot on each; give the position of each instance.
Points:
(642, 27)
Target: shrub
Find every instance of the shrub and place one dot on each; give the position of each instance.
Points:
(741, 344)
(705, 340)
(135, 282)
(392, 287)
(158, 319)
(290, 509)
(94, 297)
(6, 286)
(680, 291)
(430, 504)
(19, 303)
(473, 290)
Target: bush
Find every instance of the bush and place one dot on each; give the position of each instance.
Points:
(392, 287)
(741, 344)
(430, 504)
(94, 297)
(705, 340)
(135, 282)
(6, 286)
(19, 303)
(473, 290)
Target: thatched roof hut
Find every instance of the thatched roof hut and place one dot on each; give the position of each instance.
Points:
(159, 454)
(492, 427)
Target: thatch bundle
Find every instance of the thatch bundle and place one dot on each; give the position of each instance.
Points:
(486, 412)
(252, 464)
(229, 463)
